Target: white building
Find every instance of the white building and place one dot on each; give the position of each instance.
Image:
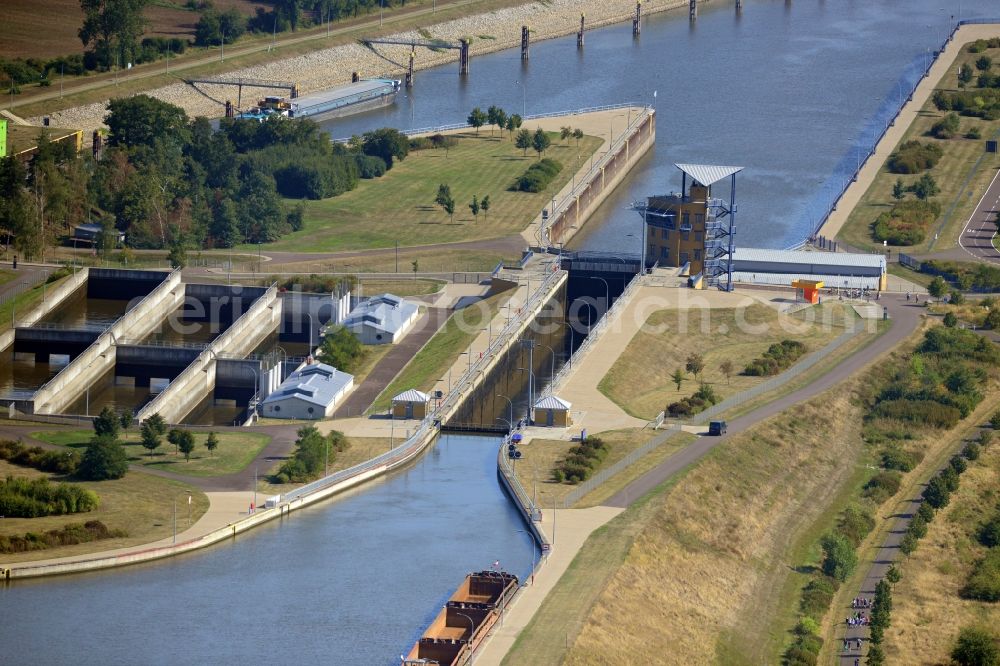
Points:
(782, 267)
(381, 320)
(312, 392)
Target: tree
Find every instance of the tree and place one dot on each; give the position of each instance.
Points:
(565, 132)
(142, 120)
(341, 349)
(950, 320)
(493, 117)
(839, 557)
(485, 205)
(449, 207)
(965, 74)
(578, 134)
(678, 377)
(177, 256)
(150, 436)
(502, 120)
(727, 369)
(477, 119)
(983, 63)
(513, 123)
(938, 287)
(387, 143)
(540, 141)
(936, 493)
(695, 364)
(523, 141)
(106, 424)
(125, 419)
(157, 423)
(415, 264)
(926, 187)
(995, 420)
(474, 207)
(104, 459)
(893, 575)
(174, 437)
(976, 646)
(212, 443)
(112, 29)
(876, 657)
(186, 444)
(898, 190)
(993, 318)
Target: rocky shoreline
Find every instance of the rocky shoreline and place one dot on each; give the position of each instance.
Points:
(492, 31)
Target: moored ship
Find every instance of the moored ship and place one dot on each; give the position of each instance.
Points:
(463, 623)
(343, 100)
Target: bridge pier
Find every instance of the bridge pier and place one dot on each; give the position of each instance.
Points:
(692, 10)
(579, 35)
(409, 72)
(525, 41)
(637, 19)
(463, 58)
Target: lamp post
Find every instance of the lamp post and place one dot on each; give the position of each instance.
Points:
(531, 544)
(607, 291)
(472, 631)
(511, 403)
(524, 96)
(311, 326)
(552, 370)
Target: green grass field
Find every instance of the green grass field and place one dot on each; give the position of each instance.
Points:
(441, 351)
(234, 453)
(141, 504)
(962, 176)
(399, 206)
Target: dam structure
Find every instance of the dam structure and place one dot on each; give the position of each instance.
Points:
(147, 342)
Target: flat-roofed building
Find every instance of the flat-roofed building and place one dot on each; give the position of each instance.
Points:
(312, 392)
(837, 270)
(381, 320)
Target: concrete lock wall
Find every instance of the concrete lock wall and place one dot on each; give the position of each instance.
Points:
(198, 380)
(53, 299)
(64, 388)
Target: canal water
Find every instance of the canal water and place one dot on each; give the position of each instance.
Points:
(792, 91)
(359, 578)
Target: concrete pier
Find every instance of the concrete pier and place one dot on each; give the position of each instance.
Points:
(637, 19)
(525, 41)
(579, 35)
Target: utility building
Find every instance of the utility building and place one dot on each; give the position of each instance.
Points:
(553, 412)
(836, 270)
(411, 404)
(311, 392)
(382, 319)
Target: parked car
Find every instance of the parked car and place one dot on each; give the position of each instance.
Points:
(717, 428)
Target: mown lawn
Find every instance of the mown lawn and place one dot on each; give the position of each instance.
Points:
(441, 351)
(399, 206)
(961, 176)
(141, 504)
(736, 335)
(234, 453)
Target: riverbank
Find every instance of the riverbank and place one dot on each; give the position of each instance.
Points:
(910, 111)
(323, 68)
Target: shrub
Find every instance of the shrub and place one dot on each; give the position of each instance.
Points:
(839, 557)
(989, 533)
(894, 457)
(925, 511)
(538, 176)
(984, 581)
(817, 596)
(971, 451)
(581, 460)
(701, 400)
(56, 462)
(906, 222)
(92, 530)
(104, 459)
(370, 166)
(947, 127)
(34, 498)
(958, 464)
(855, 524)
(917, 527)
(926, 412)
(882, 486)
(975, 647)
(974, 133)
(914, 157)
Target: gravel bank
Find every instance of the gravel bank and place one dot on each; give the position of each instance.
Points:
(493, 31)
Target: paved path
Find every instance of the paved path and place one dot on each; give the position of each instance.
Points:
(906, 318)
(977, 237)
(392, 363)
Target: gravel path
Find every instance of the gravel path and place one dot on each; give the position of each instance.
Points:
(493, 31)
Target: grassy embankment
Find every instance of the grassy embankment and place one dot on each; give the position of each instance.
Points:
(960, 174)
(141, 504)
(235, 451)
(359, 450)
(249, 51)
(708, 554)
(928, 610)
(737, 335)
(442, 351)
(399, 206)
(541, 456)
(26, 301)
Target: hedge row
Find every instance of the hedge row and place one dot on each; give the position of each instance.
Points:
(581, 461)
(777, 358)
(92, 530)
(34, 498)
(56, 462)
(538, 176)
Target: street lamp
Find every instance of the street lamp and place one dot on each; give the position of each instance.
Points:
(311, 327)
(531, 544)
(472, 632)
(524, 96)
(511, 403)
(607, 291)
(552, 370)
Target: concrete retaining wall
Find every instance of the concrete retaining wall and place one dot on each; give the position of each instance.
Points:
(52, 300)
(64, 388)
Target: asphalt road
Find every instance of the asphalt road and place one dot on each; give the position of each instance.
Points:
(906, 318)
(977, 236)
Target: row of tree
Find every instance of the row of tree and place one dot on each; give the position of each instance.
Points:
(447, 203)
(170, 182)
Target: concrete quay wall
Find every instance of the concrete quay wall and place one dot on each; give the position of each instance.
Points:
(65, 387)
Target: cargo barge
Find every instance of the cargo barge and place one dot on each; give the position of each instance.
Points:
(333, 103)
(463, 623)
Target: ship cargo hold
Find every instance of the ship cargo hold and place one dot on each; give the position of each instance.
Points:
(345, 100)
(463, 623)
